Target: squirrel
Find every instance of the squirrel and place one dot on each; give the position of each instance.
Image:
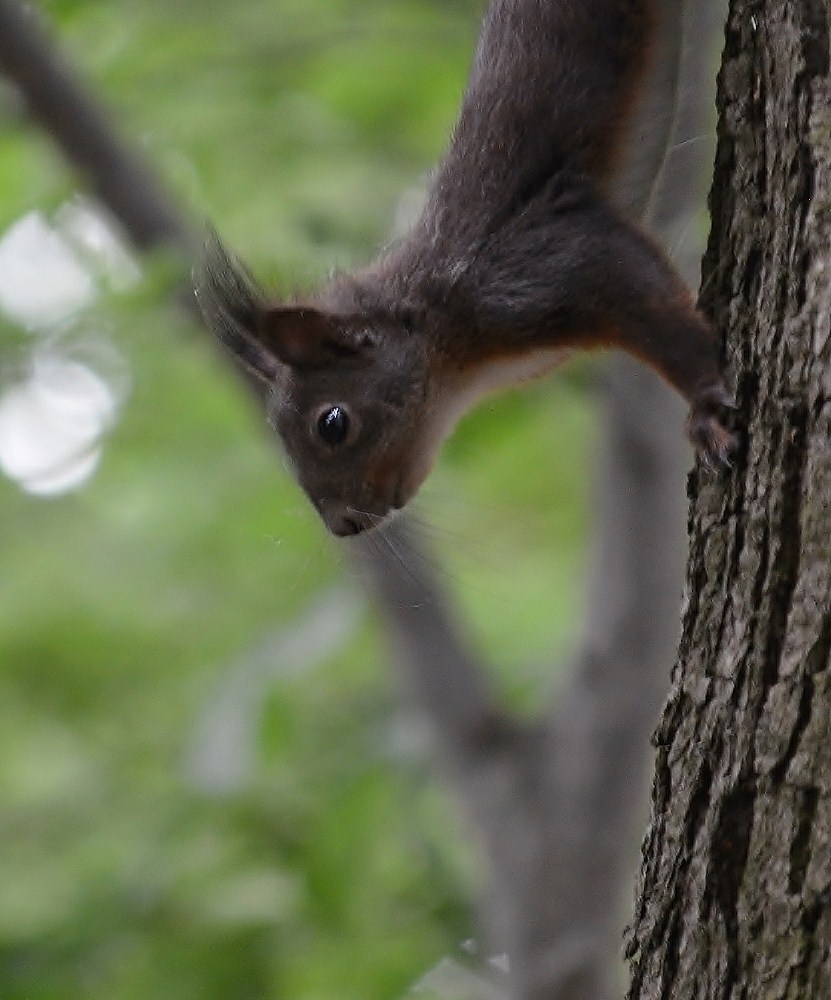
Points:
(518, 257)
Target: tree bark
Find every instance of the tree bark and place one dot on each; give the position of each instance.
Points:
(734, 891)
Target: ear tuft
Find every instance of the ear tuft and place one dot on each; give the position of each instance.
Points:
(264, 337)
(232, 306)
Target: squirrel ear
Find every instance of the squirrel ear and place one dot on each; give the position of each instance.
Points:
(233, 306)
(266, 338)
(307, 337)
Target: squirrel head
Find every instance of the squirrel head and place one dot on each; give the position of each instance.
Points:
(348, 391)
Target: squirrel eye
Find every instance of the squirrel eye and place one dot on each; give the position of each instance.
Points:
(333, 425)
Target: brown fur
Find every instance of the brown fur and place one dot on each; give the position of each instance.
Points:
(516, 256)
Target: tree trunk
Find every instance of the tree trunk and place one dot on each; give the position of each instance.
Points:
(734, 891)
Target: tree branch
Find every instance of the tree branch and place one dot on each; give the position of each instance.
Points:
(447, 683)
(58, 101)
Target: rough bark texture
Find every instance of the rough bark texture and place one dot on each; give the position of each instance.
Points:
(735, 886)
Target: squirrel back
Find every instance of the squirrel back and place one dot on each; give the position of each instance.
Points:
(549, 94)
(517, 258)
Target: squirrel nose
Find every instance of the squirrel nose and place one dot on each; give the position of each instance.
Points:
(342, 525)
(342, 520)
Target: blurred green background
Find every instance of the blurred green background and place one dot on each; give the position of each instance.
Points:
(210, 786)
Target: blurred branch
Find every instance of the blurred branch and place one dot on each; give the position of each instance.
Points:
(222, 750)
(558, 800)
(448, 684)
(81, 127)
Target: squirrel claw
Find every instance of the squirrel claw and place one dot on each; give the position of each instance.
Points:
(722, 397)
(712, 441)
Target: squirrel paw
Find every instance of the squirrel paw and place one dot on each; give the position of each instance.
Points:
(706, 429)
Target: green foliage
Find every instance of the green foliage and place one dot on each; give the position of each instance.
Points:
(331, 867)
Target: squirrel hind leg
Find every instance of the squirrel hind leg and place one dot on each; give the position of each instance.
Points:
(713, 442)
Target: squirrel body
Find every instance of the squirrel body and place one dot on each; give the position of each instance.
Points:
(517, 258)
